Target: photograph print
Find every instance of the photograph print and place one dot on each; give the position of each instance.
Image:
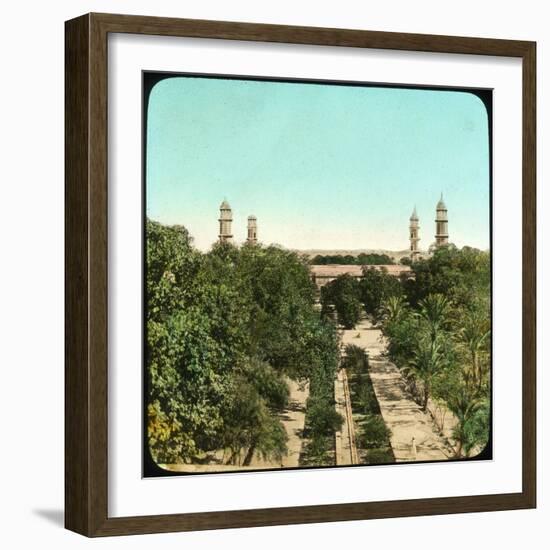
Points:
(316, 274)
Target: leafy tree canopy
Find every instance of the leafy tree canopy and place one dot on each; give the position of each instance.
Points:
(225, 330)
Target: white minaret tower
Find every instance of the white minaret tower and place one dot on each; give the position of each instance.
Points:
(441, 224)
(226, 217)
(252, 237)
(414, 238)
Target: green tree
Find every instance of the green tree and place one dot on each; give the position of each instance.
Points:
(249, 423)
(172, 264)
(393, 309)
(283, 316)
(461, 275)
(472, 414)
(375, 287)
(474, 334)
(224, 330)
(374, 259)
(439, 334)
(428, 362)
(343, 294)
(347, 259)
(429, 356)
(322, 420)
(401, 327)
(434, 310)
(375, 432)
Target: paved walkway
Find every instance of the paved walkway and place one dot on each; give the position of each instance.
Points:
(414, 436)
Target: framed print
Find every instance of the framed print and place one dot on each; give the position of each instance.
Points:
(300, 275)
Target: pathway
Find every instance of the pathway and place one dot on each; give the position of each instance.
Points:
(293, 419)
(414, 436)
(345, 450)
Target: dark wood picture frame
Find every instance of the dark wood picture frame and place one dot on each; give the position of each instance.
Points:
(86, 281)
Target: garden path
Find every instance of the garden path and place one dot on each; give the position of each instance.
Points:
(293, 420)
(414, 436)
(345, 450)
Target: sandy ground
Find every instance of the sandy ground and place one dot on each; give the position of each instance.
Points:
(414, 435)
(293, 419)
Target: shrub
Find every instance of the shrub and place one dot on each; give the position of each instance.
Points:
(368, 403)
(380, 456)
(317, 452)
(356, 360)
(375, 432)
(322, 417)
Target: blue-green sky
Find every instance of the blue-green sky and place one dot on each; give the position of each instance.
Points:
(321, 166)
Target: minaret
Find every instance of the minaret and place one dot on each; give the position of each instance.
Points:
(414, 238)
(441, 224)
(226, 217)
(252, 230)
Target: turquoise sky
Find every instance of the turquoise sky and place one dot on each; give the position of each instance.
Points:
(321, 166)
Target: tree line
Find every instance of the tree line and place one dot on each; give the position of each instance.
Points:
(348, 259)
(225, 330)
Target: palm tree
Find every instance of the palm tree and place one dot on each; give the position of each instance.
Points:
(392, 310)
(429, 356)
(428, 361)
(473, 334)
(400, 327)
(464, 405)
(434, 310)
